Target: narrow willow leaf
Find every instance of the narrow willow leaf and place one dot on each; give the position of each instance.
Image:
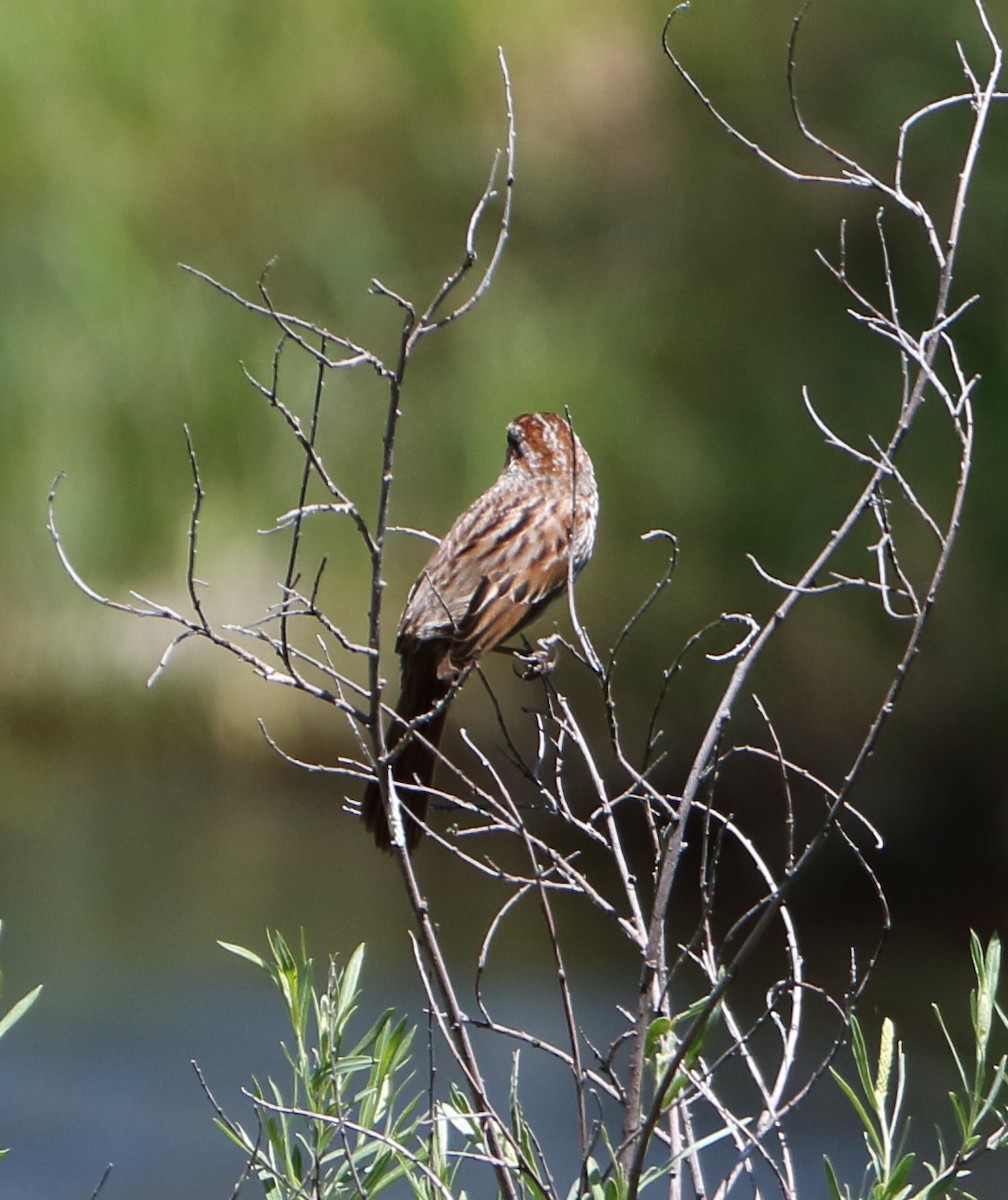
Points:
(349, 982)
(17, 1011)
(901, 1171)
(659, 1028)
(855, 1102)
(859, 1050)
(831, 1180)
(252, 957)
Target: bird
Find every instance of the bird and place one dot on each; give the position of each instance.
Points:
(506, 557)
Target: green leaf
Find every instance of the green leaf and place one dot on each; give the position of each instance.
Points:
(679, 1081)
(988, 971)
(17, 1011)
(993, 962)
(961, 1117)
(901, 1172)
(855, 1102)
(695, 1147)
(459, 1120)
(951, 1045)
(241, 952)
(593, 1175)
(976, 953)
(281, 953)
(860, 1052)
(658, 1028)
(831, 1180)
(349, 980)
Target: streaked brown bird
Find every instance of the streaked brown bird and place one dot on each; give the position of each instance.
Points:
(506, 557)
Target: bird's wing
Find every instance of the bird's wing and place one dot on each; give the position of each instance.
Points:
(501, 562)
(502, 604)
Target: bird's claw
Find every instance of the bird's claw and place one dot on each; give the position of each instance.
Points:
(537, 660)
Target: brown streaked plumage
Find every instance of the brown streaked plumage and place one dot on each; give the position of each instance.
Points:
(505, 558)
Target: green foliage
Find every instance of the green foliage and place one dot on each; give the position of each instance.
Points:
(660, 1047)
(978, 1101)
(346, 1125)
(349, 140)
(14, 1014)
(343, 1126)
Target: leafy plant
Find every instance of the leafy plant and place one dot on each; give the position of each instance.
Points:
(978, 1101)
(343, 1126)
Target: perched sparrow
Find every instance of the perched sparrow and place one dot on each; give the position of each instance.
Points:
(505, 558)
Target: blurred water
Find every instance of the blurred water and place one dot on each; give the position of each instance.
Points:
(113, 895)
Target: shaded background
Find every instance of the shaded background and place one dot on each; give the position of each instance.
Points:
(658, 281)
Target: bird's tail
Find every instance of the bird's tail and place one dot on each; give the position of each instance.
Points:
(415, 763)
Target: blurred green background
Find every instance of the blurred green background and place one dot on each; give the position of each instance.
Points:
(658, 281)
